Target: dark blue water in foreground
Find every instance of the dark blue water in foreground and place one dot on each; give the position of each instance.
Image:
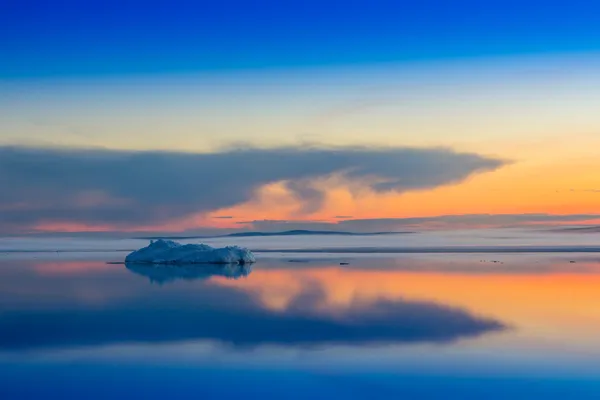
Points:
(416, 326)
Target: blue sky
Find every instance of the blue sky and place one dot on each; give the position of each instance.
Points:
(94, 38)
(383, 87)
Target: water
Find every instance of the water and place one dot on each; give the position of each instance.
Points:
(301, 326)
(381, 243)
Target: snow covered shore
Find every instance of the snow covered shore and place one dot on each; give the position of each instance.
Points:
(170, 252)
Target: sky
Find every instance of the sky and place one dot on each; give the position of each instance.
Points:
(198, 116)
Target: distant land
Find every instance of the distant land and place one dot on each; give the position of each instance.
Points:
(297, 232)
(581, 229)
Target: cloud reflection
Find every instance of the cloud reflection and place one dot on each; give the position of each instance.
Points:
(229, 315)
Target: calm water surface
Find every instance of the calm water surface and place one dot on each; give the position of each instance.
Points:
(422, 326)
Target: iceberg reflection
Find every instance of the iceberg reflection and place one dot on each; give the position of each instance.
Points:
(165, 273)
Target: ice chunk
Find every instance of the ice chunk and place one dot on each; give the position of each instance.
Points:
(170, 252)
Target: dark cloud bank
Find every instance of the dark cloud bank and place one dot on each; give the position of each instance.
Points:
(139, 188)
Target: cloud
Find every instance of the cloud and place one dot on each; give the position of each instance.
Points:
(122, 189)
(585, 190)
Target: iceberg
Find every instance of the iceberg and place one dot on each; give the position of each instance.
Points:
(170, 252)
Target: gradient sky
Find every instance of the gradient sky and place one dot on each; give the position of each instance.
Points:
(166, 116)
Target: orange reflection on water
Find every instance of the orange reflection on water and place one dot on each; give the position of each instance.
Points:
(551, 304)
(70, 267)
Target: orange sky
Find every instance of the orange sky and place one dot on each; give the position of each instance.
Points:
(538, 113)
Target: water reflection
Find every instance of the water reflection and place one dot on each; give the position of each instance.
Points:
(225, 311)
(309, 330)
(169, 273)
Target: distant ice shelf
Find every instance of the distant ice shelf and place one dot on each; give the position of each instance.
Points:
(170, 252)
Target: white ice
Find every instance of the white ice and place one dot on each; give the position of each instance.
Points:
(170, 252)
